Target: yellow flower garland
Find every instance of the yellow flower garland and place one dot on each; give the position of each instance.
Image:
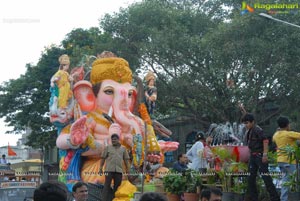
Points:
(145, 116)
(144, 113)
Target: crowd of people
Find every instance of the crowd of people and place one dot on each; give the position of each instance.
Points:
(200, 155)
(49, 191)
(196, 158)
(207, 194)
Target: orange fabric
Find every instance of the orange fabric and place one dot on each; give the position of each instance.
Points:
(10, 151)
(90, 171)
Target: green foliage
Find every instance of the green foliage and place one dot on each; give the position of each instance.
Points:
(293, 153)
(183, 42)
(292, 182)
(272, 157)
(24, 101)
(229, 175)
(222, 153)
(193, 180)
(177, 183)
(240, 185)
(207, 58)
(174, 183)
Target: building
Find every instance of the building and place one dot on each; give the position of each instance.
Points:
(25, 161)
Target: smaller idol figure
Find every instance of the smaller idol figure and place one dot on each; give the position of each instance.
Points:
(150, 92)
(62, 80)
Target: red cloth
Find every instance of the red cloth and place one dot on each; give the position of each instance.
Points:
(218, 164)
(236, 153)
(10, 151)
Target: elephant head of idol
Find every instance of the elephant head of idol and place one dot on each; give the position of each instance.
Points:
(109, 90)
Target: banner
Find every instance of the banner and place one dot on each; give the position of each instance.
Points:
(10, 151)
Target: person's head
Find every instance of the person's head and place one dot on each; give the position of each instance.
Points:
(205, 194)
(151, 82)
(150, 78)
(49, 191)
(209, 140)
(80, 191)
(248, 120)
(153, 196)
(213, 194)
(64, 62)
(3, 156)
(115, 139)
(283, 122)
(199, 136)
(182, 158)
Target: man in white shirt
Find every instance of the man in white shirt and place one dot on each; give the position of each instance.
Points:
(195, 154)
(3, 159)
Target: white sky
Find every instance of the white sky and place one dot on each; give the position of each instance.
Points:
(29, 26)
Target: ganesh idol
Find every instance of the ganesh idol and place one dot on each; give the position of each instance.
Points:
(106, 103)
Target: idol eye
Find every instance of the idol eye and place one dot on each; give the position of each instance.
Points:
(109, 91)
(130, 94)
(62, 113)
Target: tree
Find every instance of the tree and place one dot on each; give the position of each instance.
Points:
(258, 61)
(166, 36)
(24, 101)
(207, 57)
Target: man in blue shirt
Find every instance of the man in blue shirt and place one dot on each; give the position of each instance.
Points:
(181, 164)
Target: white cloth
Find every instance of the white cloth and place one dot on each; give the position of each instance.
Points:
(195, 155)
(3, 161)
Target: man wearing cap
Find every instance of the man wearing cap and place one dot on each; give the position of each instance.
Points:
(195, 154)
(113, 157)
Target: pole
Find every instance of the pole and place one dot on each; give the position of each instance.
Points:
(145, 157)
(297, 173)
(278, 20)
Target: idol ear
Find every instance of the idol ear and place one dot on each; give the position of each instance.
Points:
(134, 104)
(138, 95)
(83, 93)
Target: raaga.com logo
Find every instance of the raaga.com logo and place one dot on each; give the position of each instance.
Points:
(271, 8)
